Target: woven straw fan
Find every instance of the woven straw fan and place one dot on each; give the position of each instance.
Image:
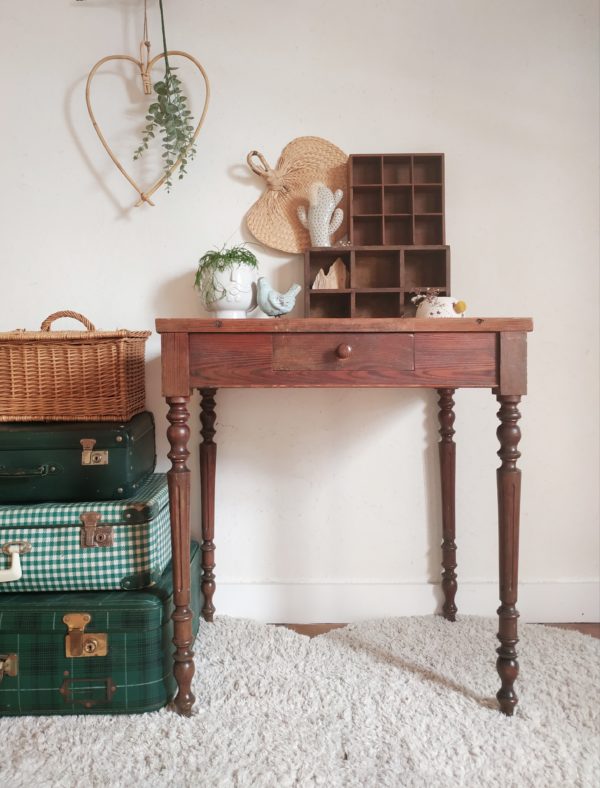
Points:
(273, 219)
(145, 71)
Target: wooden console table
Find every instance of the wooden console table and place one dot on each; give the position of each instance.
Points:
(444, 354)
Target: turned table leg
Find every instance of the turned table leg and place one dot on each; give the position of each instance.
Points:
(447, 449)
(178, 477)
(509, 494)
(208, 462)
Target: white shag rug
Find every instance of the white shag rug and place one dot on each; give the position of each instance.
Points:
(394, 702)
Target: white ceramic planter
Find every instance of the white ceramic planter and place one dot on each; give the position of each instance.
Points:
(439, 306)
(236, 288)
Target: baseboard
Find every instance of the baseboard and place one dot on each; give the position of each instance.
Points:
(305, 603)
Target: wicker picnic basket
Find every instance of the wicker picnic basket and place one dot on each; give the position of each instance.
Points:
(71, 375)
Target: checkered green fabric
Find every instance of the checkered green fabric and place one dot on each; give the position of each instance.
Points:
(138, 663)
(151, 497)
(57, 562)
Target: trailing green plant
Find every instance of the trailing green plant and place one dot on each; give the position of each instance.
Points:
(217, 261)
(170, 117)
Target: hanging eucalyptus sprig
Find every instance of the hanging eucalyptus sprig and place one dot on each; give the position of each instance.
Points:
(170, 117)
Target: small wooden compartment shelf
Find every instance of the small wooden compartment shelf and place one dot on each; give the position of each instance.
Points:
(396, 199)
(375, 268)
(381, 279)
(330, 303)
(377, 303)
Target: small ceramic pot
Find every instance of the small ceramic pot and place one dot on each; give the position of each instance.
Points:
(236, 288)
(439, 306)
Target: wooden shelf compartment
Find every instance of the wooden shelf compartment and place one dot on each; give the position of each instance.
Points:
(397, 200)
(366, 169)
(428, 168)
(367, 230)
(376, 268)
(381, 279)
(366, 201)
(428, 199)
(422, 267)
(329, 303)
(378, 304)
(324, 257)
(398, 231)
(397, 169)
(428, 230)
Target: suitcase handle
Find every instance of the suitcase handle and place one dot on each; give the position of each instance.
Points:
(14, 571)
(25, 473)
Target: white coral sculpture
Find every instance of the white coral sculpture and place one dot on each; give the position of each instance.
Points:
(323, 218)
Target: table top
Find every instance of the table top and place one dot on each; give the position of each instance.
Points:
(336, 325)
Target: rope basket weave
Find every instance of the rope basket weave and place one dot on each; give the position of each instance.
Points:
(71, 375)
(273, 219)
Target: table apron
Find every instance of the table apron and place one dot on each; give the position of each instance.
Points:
(432, 360)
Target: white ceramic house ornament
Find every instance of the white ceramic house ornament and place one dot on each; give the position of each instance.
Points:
(324, 217)
(438, 306)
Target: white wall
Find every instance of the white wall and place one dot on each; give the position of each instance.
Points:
(322, 517)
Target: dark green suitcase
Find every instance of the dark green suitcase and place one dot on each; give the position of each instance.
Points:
(134, 628)
(75, 461)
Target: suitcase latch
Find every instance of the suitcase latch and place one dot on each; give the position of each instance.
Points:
(93, 534)
(9, 665)
(91, 457)
(83, 644)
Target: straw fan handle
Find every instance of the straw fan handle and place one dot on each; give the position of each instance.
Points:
(262, 171)
(66, 313)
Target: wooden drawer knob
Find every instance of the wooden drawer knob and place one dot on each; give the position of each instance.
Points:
(343, 351)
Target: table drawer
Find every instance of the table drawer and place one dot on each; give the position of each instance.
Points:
(336, 352)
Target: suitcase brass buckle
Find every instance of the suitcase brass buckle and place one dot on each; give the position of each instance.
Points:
(20, 547)
(83, 644)
(93, 534)
(9, 665)
(91, 457)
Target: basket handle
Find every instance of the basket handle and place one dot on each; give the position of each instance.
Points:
(66, 313)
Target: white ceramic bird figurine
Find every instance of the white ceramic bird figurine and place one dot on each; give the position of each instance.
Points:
(273, 303)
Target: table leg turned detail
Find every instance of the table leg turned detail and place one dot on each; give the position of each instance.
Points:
(208, 462)
(509, 495)
(178, 478)
(447, 449)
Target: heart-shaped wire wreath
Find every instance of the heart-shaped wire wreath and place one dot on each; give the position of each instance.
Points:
(145, 71)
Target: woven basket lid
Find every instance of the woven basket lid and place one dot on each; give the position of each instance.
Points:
(273, 219)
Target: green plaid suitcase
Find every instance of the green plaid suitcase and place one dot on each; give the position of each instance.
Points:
(119, 661)
(92, 546)
(75, 461)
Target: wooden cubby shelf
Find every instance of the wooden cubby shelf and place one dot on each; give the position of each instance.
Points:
(396, 199)
(380, 279)
(397, 239)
